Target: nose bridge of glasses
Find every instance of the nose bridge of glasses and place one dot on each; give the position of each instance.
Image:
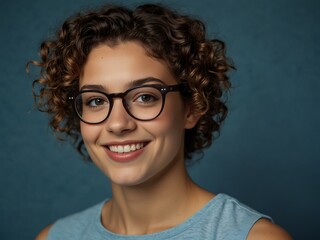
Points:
(117, 95)
(121, 97)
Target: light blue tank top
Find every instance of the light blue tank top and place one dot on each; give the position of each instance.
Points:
(222, 218)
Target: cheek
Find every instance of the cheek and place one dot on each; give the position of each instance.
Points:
(89, 133)
(173, 114)
(170, 124)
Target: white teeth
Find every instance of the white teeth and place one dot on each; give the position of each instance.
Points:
(126, 148)
(120, 149)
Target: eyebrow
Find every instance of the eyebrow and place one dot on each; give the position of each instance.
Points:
(133, 83)
(92, 87)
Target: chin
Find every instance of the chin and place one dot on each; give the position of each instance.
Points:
(127, 180)
(126, 183)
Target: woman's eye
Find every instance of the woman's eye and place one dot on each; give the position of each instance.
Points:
(95, 102)
(146, 98)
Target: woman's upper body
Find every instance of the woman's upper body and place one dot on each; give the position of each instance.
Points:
(223, 217)
(142, 91)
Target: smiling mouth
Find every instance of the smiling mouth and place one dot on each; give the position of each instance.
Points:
(126, 148)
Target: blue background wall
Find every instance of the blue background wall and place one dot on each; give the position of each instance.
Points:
(268, 153)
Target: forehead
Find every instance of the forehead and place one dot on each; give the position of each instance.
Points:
(117, 66)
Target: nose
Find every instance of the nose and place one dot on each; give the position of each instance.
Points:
(119, 121)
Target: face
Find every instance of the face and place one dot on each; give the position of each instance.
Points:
(130, 151)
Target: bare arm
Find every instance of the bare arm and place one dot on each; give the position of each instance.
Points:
(44, 233)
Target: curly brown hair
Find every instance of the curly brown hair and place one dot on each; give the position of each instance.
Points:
(177, 39)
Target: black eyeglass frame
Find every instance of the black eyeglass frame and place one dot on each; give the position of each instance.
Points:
(163, 89)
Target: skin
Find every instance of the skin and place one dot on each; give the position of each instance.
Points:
(153, 192)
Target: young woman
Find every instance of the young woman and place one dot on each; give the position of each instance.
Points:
(139, 92)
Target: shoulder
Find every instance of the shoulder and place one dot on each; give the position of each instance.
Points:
(247, 223)
(263, 229)
(43, 235)
(232, 208)
(74, 225)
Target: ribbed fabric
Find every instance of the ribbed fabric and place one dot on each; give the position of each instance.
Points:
(222, 218)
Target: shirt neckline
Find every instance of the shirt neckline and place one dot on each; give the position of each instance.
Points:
(178, 229)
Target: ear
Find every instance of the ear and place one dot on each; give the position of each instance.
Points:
(191, 118)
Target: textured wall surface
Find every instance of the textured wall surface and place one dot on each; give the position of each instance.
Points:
(267, 155)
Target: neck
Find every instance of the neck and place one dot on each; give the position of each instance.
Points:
(154, 205)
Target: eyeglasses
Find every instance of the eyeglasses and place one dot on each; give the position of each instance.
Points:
(143, 103)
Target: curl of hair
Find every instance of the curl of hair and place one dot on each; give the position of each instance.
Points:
(177, 39)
